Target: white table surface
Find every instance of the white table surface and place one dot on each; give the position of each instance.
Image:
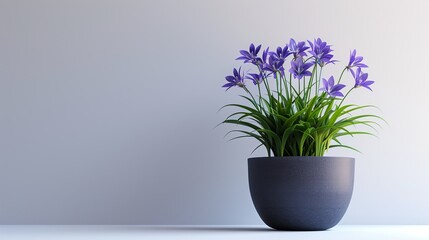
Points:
(343, 232)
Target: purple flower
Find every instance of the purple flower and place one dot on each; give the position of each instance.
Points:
(265, 54)
(299, 69)
(251, 55)
(235, 80)
(321, 51)
(297, 49)
(361, 79)
(281, 53)
(256, 78)
(274, 65)
(355, 61)
(331, 89)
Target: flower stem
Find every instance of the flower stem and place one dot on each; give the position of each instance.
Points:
(265, 80)
(318, 81)
(303, 88)
(280, 91)
(286, 88)
(346, 96)
(278, 84)
(251, 95)
(308, 93)
(339, 80)
(290, 84)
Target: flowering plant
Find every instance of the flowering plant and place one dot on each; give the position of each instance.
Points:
(303, 114)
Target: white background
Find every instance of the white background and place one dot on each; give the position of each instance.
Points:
(107, 108)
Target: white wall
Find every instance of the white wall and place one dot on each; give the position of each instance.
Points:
(107, 108)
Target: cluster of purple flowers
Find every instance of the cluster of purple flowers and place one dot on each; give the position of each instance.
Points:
(303, 58)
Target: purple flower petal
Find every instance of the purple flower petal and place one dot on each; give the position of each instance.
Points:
(337, 87)
(251, 56)
(257, 49)
(355, 61)
(361, 79)
(358, 59)
(331, 89)
(331, 81)
(230, 78)
(336, 94)
(321, 52)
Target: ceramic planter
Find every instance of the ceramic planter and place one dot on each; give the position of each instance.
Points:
(301, 193)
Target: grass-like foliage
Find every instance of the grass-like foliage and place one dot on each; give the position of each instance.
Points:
(303, 114)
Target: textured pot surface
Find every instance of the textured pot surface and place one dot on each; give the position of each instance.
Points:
(301, 193)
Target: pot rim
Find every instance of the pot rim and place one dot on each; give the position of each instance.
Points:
(302, 158)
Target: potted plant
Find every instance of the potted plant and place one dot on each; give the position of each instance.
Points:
(297, 114)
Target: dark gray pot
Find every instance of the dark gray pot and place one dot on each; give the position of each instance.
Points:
(301, 193)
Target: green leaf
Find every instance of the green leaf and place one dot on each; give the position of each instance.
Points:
(345, 146)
